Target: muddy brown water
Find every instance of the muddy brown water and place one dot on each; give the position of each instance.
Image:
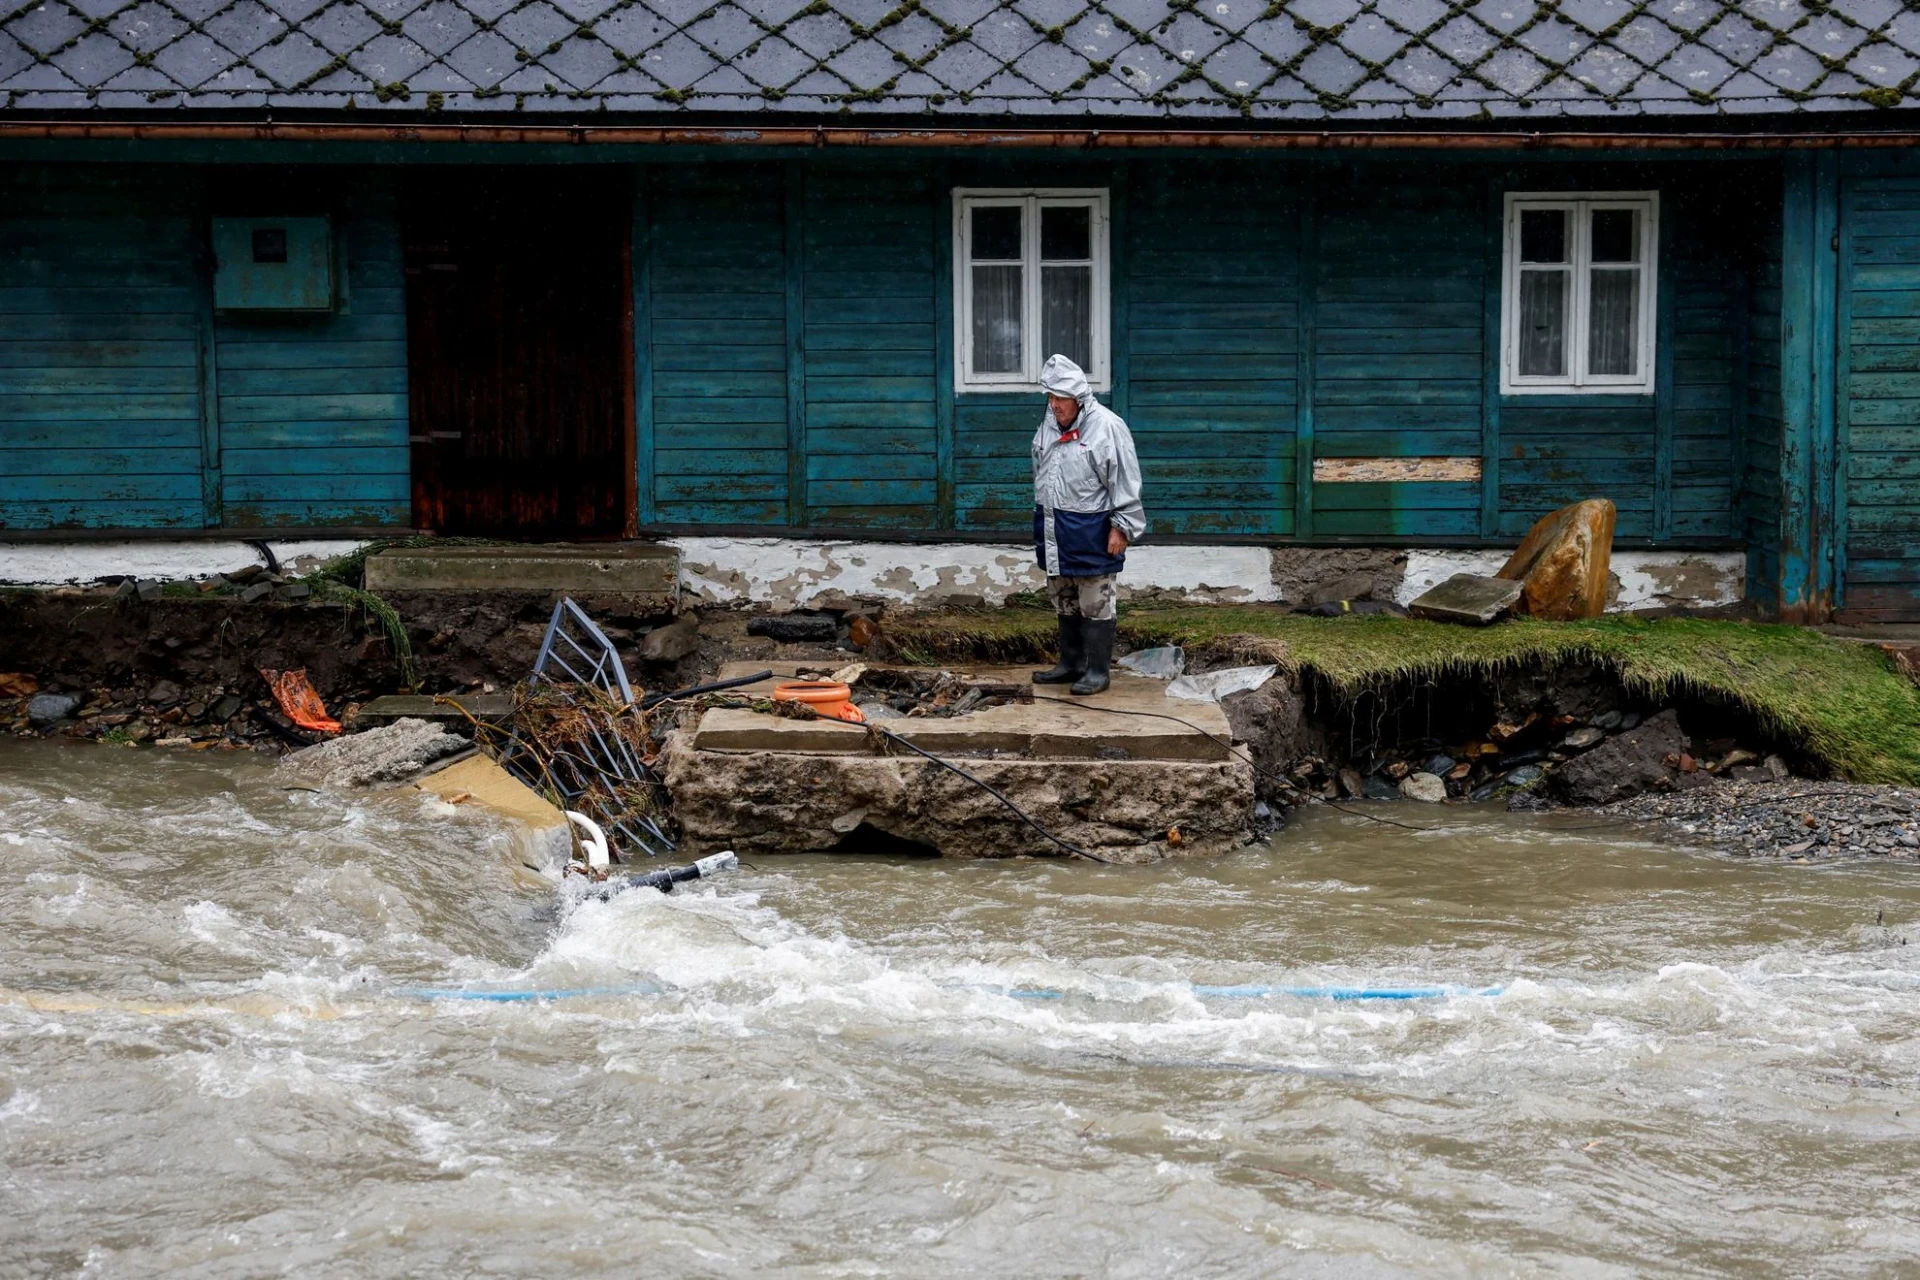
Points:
(217, 1057)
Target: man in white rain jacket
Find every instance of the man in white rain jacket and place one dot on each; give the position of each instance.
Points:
(1086, 510)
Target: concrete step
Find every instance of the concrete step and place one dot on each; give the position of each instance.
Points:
(644, 570)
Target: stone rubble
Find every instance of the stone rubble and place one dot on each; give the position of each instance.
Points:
(1796, 819)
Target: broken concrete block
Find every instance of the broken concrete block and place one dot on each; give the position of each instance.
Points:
(547, 841)
(295, 591)
(1564, 561)
(148, 591)
(258, 591)
(671, 643)
(392, 754)
(1466, 598)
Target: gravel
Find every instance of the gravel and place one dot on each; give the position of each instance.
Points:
(1795, 819)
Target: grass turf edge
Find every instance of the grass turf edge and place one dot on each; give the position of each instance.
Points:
(1842, 701)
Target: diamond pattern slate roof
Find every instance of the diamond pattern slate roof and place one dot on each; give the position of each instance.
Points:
(1018, 60)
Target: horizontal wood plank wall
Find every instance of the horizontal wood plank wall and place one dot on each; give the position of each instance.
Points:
(1213, 270)
(313, 409)
(872, 440)
(1398, 355)
(719, 307)
(1881, 399)
(1758, 511)
(100, 397)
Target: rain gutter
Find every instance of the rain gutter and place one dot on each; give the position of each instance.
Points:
(842, 137)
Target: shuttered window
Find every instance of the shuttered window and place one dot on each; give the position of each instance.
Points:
(1030, 281)
(1578, 305)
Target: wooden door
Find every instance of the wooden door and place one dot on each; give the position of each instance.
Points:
(519, 352)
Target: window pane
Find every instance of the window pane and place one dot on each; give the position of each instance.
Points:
(1543, 235)
(1543, 324)
(996, 234)
(1613, 338)
(1066, 235)
(1616, 235)
(996, 319)
(1066, 314)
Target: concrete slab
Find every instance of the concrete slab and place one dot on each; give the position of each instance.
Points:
(636, 569)
(1056, 725)
(445, 709)
(547, 841)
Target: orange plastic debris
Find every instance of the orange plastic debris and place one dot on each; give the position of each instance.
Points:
(828, 698)
(296, 696)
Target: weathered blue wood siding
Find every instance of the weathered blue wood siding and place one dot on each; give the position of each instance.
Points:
(795, 354)
(126, 403)
(1878, 537)
(100, 350)
(313, 409)
(719, 338)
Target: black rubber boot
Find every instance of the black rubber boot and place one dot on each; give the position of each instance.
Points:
(1099, 653)
(1073, 653)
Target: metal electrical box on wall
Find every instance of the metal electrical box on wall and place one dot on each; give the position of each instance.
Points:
(273, 264)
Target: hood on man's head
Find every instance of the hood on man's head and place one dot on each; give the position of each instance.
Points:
(1062, 377)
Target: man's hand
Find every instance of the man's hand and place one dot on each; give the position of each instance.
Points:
(1116, 541)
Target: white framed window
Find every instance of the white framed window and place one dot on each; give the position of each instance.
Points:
(1577, 300)
(1029, 281)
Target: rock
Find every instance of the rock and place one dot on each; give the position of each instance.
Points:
(1525, 776)
(46, 708)
(795, 628)
(1749, 773)
(225, 709)
(1352, 785)
(671, 643)
(1466, 598)
(1625, 765)
(391, 754)
(1355, 586)
(1424, 787)
(17, 684)
(1581, 739)
(1629, 719)
(1375, 788)
(248, 573)
(1733, 760)
(164, 693)
(861, 630)
(1564, 562)
(1608, 720)
(1439, 765)
(1776, 768)
(258, 591)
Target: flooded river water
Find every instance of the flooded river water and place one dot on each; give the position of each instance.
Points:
(221, 1052)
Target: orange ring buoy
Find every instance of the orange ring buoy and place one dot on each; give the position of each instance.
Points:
(828, 698)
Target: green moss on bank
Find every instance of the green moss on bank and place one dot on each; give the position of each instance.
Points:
(1843, 702)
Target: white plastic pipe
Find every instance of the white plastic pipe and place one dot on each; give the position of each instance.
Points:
(593, 838)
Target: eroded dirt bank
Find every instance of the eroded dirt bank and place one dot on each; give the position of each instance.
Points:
(185, 669)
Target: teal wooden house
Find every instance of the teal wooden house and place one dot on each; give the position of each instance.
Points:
(1372, 272)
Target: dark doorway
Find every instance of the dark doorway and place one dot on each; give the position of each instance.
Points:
(519, 342)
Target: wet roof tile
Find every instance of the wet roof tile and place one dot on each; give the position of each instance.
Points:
(1021, 59)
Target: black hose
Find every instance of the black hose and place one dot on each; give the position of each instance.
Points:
(695, 690)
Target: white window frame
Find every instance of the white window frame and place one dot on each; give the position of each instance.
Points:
(1577, 381)
(1032, 199)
